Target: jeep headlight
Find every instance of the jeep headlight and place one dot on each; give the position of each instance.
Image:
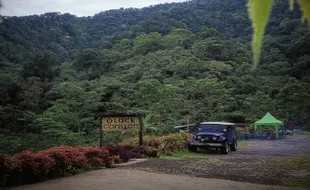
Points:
(214, 138)
(198, 137)
(222, 138)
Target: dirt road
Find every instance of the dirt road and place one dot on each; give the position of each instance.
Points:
(114, 179)
(260, 162)
(263, 162)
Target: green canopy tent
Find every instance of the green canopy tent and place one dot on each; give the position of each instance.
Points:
(269, 120)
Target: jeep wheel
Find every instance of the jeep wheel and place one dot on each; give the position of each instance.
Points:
(192, 148)
(225, 148)
(234, 146)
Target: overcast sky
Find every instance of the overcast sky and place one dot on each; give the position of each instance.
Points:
(76, 7)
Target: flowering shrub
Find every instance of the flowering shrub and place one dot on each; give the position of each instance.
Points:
(95, 156)
(66, 158)
(29, 167)
(127, 152)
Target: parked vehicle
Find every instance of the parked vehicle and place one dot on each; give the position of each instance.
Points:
(286, 132)
(219, 135)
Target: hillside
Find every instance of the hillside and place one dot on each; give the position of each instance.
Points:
(172, 60)
(66, 35)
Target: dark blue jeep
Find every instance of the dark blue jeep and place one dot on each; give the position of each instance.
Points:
(219, 135)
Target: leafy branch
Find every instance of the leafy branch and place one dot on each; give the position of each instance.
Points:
(259, 12)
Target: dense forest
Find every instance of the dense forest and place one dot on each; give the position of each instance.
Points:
(58, 71)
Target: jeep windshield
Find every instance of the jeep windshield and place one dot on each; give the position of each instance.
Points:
(212, 127)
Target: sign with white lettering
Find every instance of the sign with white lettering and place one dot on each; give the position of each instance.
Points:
(120, 124)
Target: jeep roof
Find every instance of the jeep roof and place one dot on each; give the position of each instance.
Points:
(216, 123)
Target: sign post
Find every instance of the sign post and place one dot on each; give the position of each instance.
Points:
(140, 132)
(129, 122)
(101, 133)
(187, 123)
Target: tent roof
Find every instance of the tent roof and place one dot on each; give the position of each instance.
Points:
(268, 119)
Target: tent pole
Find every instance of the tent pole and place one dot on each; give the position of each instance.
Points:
(277, 131)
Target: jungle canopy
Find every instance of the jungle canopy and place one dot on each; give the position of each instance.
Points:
(269, 120)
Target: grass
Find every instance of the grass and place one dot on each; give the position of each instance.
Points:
(244, 143)
(184, 154)
(302, 167)
(303, 182)
(84, 170)
(300, 163)
(307, 133)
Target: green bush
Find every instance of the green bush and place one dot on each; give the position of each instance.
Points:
(163, 144)
(240, 130)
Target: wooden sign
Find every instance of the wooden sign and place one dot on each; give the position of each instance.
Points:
(130, 122)
(120, 124)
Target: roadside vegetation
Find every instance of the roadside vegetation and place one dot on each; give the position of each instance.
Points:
(31, 167)
(58, 71)
(307, 133)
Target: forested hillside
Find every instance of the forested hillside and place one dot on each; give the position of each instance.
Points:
(58, 71)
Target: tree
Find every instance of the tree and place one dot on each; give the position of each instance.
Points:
(212, 49)
(42, 66)
(146, 43)
(293, 99)
(32, 93)
(88, 58)
(178, 37)
(72, 115)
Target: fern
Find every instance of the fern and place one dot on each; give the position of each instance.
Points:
(259, 13)
(292, 4)
(305, 7)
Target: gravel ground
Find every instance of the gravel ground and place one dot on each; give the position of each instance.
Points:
(118, 179)
(260, 161)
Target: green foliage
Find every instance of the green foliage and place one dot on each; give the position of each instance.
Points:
(58, 71)
(185, 154)
(164, 144)
(146, 43)
(42, 66)
(307, 133)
